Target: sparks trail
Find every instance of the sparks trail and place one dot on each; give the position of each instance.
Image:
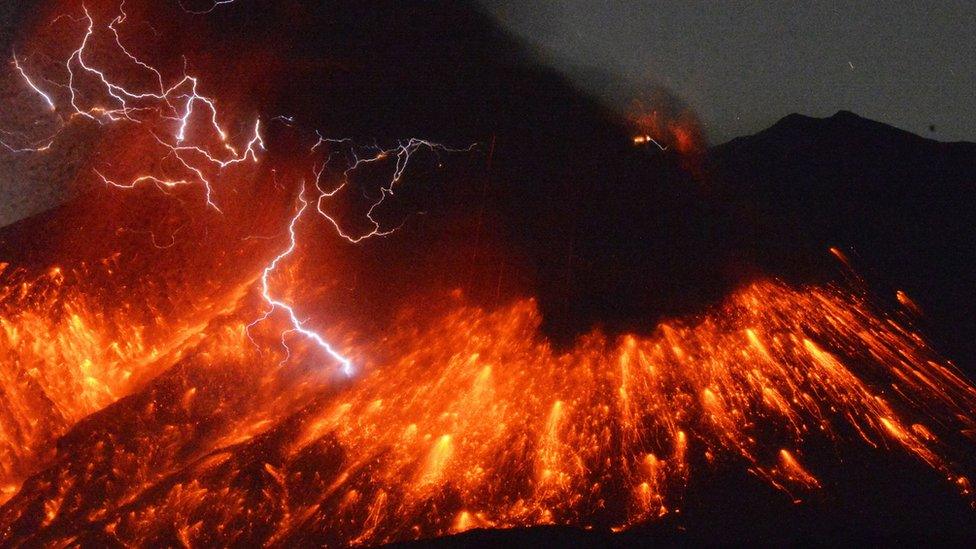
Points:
(467, 418)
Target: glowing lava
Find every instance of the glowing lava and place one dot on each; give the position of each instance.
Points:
(459, 416)
(468, 418)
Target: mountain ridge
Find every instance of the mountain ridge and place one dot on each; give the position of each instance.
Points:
(896, 202)
(840, 120)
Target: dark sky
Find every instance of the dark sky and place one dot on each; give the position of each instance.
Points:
(743, 65)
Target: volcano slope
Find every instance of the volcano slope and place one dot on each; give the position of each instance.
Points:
(739, 380)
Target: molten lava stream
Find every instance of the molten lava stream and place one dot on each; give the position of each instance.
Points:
(207, 413)
(70, 351)
(467, 418)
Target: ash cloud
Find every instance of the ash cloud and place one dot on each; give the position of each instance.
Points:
(744, 65)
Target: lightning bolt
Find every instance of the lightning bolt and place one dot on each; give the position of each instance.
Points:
(297, 325)
(30, 83)
(216, 4)
(401, 155)
(48, 141)
(176, 106)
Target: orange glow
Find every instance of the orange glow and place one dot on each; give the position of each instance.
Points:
(174, 408)
(70, 356)
(678, 131)
(474, 420)
(908, 303)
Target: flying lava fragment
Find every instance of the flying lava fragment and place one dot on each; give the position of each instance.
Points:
(150, 403)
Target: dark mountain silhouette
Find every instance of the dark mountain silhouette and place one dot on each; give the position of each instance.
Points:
(601, 231)
(557, 201)
(560, 204)
(899, 205)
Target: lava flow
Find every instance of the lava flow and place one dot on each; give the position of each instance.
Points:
(174, 394)
(468, 418)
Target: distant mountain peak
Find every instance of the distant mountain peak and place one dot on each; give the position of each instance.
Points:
(843, 126)
(841, 114)
(840, 119)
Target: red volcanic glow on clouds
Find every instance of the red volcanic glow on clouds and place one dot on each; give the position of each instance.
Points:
(666, 127)
(176, 381)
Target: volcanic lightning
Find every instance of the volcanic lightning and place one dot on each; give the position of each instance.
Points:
(27, 80)
(186, 89)
(297, 325)
(175, 105)
(216, 4)
(461, 416)
(400, 154)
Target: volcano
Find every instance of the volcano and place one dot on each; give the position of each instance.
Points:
(270, 314)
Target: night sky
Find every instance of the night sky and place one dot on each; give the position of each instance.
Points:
(744, 65)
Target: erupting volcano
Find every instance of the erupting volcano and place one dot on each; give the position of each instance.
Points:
(244, 328)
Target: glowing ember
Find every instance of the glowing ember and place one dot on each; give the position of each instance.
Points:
(665, 129)
(459, 417)
(473, 420)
